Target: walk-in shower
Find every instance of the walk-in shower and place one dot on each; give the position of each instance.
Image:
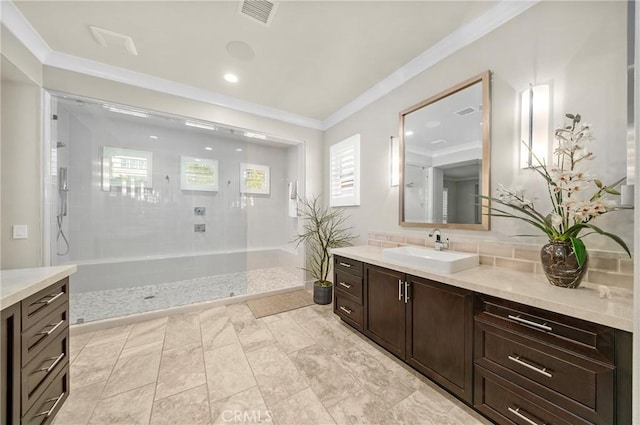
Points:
(160, 211)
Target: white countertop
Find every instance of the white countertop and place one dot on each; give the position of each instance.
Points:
(18, 284)
(527, 288)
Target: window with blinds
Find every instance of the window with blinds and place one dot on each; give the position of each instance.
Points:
(344, 172)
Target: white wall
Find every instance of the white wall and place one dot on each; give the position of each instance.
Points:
(20, 168)
(578, 48)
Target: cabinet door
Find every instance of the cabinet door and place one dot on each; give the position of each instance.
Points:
(439, 334)
(385, 308)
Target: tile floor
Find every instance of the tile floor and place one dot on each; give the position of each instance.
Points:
(223, 366)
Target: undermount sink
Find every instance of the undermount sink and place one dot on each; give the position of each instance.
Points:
(430, 259)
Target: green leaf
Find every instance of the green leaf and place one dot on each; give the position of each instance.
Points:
(578, 118)
(598, 183)
(615, 238)
(579, 249)
(611, 190)
(570, 116)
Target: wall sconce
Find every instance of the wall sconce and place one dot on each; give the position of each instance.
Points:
(534, 125)
(394, 161)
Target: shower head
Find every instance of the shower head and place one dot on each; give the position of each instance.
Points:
(60, 145)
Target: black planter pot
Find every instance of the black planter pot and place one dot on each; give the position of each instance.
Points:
(322, 294)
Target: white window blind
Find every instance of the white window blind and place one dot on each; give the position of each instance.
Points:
(344, 172)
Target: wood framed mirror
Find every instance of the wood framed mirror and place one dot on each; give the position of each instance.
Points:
(445, 151)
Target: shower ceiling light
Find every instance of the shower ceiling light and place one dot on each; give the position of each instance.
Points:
(238, 150)
(198, 125)
(153, 137)
(408, 133)
(255, 135)
(126, 111)
(208, 148)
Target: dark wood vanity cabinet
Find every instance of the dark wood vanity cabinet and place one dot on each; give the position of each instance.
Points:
(385, 308)
(35, 356)
(440, 334)
(347, 294)
(514, 363)
(536, 366)
(427, 324)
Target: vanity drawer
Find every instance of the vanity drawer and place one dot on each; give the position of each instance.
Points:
(43, 332)
(45, 409)
(349, 285)
(348, 310)
(348, 265)
(582, 386)
(42, 303)
(582, 337)
(506, 403)
(40, 372)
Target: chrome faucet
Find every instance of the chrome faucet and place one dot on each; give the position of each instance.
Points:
(439, 244)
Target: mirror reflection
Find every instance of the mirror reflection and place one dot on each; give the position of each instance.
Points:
(445, 158)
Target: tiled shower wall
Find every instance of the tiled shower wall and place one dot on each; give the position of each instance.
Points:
(105, 225)
(608, 268)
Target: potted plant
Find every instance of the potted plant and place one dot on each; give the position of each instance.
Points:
(323, 229)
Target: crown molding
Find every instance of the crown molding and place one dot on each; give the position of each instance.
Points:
(463, 36)
(504, 11)
(145, 81)
(14, 21)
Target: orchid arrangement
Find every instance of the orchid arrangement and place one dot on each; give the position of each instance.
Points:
(569, 185)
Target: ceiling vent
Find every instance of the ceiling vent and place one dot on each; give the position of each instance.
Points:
(466, 111)
(107, 38)
(259, 10)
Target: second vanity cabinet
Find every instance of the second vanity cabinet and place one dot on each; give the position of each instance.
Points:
(425, 323)
(34, 378)
(514, 363)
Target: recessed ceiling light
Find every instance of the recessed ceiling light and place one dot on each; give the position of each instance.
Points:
(231, 78)
(238, 150)
(408, 133)
(153, 137)
(208, 148)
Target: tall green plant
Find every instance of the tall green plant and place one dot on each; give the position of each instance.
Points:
(323, 229)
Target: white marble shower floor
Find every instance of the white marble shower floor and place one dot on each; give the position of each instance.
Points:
(110, 303)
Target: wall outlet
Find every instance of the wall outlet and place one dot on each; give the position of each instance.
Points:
(20, 231)
(199, 210)
(200, 228)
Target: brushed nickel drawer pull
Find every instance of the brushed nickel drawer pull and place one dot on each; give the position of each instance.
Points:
(530, 323)
(53, 329)
(346, 310)
(50, 368)
(50, 411)
(50, 300)
(406, 292)
(542, 371)
(516, 412)
(344, 284)
(399, 289)
(346, 265)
